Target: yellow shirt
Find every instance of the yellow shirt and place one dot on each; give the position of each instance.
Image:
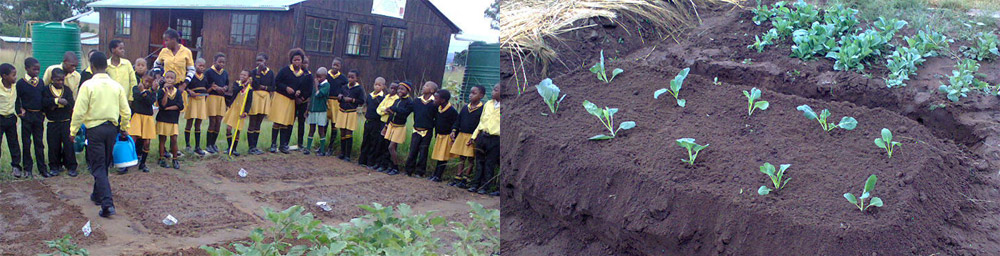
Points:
(72, 79)
(181, 63)
(101, 100)
(7, 98)
(386, 104)
(490, 121)
(124, 74)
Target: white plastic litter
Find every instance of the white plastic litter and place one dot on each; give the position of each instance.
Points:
(243, 173)
(170, 220)
(325, 206)
(86, 229)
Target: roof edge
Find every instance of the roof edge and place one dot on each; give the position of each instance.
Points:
(454, 28)
(247, 8)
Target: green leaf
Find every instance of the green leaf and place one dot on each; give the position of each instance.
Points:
(626, 125)
(824, 114)
(886, 135)
(763, 190)
(870, 184)
(879, 143)
(865, 195)
(615, 73)
(657, 93)
(675, 85)
(681, 102)
(754, 93)
(747, 94)
(850, 198)
(762, 105)
(610, 111)
(848, 123)
(601, 137)
(685, 142)
(768, 169)
(593, 109)
(877, 202)
(699, 147)
(807, 111)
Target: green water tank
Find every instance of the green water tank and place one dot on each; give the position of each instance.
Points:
(482, 68)
(49, 41)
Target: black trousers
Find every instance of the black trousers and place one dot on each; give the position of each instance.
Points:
(487, 159)
(100, 145)
(417, 161)
(8, 129)
(383, 158)
(60, 146)
(31, 132)
(301, 111)
(370, 142)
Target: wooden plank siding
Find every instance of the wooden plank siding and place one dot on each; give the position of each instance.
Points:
(272, 39)
(136, 44)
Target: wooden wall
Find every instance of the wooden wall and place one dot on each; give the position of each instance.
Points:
(273, 38)
(137, 44)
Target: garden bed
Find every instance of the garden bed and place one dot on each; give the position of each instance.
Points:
(279, 168)
(30, 213)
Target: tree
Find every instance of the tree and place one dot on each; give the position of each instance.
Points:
(460, 58)
(494, 13)
(14, 13)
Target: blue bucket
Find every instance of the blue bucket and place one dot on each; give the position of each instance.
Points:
(124, 153)
(81, 140)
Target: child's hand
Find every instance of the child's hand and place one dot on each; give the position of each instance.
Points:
(454, 135)
(383, 130)
(22, 112)
(243, 115)
(289, 90)
(63, 101)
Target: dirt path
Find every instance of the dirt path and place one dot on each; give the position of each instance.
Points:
(212, 204)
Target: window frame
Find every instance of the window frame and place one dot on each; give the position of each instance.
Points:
(361, 37)
(244, 34)
(184, 29)
(123, 23)
(318, 32)
(397, 40)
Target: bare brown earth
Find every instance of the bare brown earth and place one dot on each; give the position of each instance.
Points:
(213, 205)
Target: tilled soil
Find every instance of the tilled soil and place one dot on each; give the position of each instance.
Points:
(277, 168)
(151, 197)
(632, 195)
(31, 213)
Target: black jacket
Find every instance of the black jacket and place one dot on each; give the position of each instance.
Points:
(53, 111)
(287, 79)
(142, 101)
(336, 85)
(169, 116)
(445, 120)
(371, 106)
(29, 96)
(401, 110)
(198, 85)
(212, 77)
(423, 113)
(263, 80)
(468, 120)
(358, 93)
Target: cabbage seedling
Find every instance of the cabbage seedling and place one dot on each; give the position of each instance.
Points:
(860, 201)
(752, 96)
(846, 123)
(675, 87)
(776, 177)
(693, 149)
(550, 93)
(607, 117)
(602, 75)
(886, 141)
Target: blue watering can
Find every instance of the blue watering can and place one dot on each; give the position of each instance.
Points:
(124, 153)
(81, 140)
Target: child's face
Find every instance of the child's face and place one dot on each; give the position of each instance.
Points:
(305, 64)
(10, 78)
(57, 81)
(34, 70)
(140, 66)
(475, 95)
(439, 100)
(402, 91)
(147, 80)
(392, 88)
(220, 62)
(496, 91)
(261, 62)
(170, 78)
(119, 51)
(297, 61)
(244, 75)
(379, 86)
(199, 66)
(335, 66)
(428, 88)
(352, 78)
(169, 42)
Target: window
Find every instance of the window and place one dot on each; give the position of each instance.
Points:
(320, 34)
(244, 30)
(392, 43)
(359, 39)
(123, 23)
(184, 27)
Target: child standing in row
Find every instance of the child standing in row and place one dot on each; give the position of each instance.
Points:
(142, 126)
(171, 103)
(282, 111)
(29, 103)
(218, 84)
(395, 131)
(57, 104)
(461, 133)
(8, 116)
(239, 108)
(197, 106)
(337, 83)
(373, 124)
(317, 114)
(445, 120)
(351, 97)
(262, 79)
(424, 112)
(386, 160)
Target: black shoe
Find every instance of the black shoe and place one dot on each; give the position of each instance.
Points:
(255, 151)
(163, 163)
(17, 172)
(380, 169)
(481, 191)
(392, 172)
(213, 149)
(144, 168)
(199, 152)
(72, 173)
(495, 193)
(306, 152)
(473, 189)
(235, 153)
(274, 149)
(177, 164)
(122, 171)
(97, 203)
(107, 212)
(321, 153)
(434, 179)
(56, 170)
(284, 150)
(461, 185)
(45, 173)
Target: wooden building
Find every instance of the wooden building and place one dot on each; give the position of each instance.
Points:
(395, 39)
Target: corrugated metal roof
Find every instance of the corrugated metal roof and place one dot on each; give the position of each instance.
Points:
(255, 5)
(14, 39)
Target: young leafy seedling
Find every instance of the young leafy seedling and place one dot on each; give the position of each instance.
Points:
(846, 123)
(675, 87)
(886, 141)
(752, 96)
(776, 177)
(860, 201)
(693, 149)
(602, 74)
(550, 93)
(607, 117)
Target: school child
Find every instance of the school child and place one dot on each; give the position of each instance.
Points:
(443, 123)
(68, 65)
(487, 139)
(373, 124)
(351, 97)
(317, 113)
(171, 103)
(142, 126)
(262, 81)
(218, 84)
(282, 111)
(337, 83)
(87, 74)
(196, 107)
(461, 133)
(29, 103)
(57, 105)
(384, 159)
(424, 113)
(239, 108)
(8, 116)
(307, 86)
(395, 130)
(140, 67)
(120, 69)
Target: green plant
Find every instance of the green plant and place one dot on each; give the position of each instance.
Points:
(842, 18)
(853, 51)
(962, 80)
(480, 236)
(692, 148)
(860, 201)
(761, 13)
(902, 64)
(747, 61)
(752, 96)
(607, 117)
(602, 75)
(803, 15)
(817, 40)
(846, 123)
(886, 142)
(550, 94)
(888, 28)
(65, 247)
(776, 177)
(928, 43)
(986, 47)
(675, 87)
(769, 38)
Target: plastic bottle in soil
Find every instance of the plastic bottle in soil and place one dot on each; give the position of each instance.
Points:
(325, 206)
(170, 220)
(243, 173)
(86, 229)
